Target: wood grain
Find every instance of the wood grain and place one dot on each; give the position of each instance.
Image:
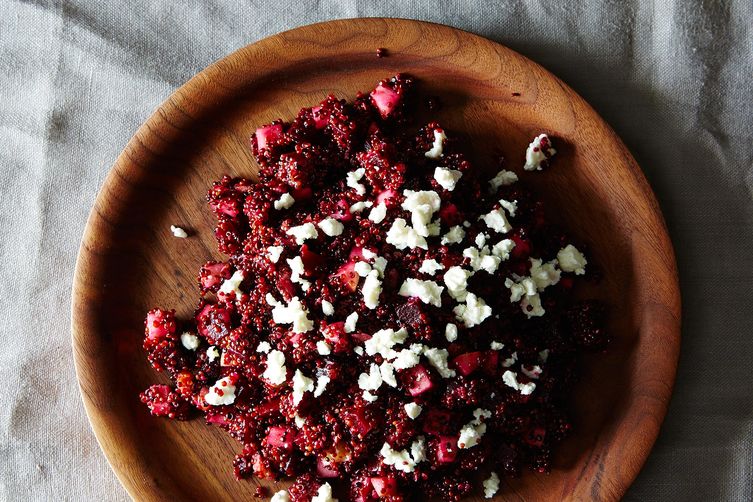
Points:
(129, 262)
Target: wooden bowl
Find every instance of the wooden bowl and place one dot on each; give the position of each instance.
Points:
(130, 262)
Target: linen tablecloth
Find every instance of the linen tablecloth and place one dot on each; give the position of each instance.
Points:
(674, 78)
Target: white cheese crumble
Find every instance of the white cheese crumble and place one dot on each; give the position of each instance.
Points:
(407, 358)
(276, 371)
(303, 232)
(438, 359)
(510, 207)
(472, 432)
(491, 485)
(544, 274)
(510, 360)
(447, 178)
(293, 313)
(371, 380)
(455, 235)
(358, 350)
(497, 221)
(362, 268)
(403, 460)
(378, 213)
(221, 393)
(456, 280)
(323, 348)
(281, 496)
(190, 341)
(413, 410)
(352, 180)
(368, 254)
(178, 232)
(274, 252)
(387, 371)
(482, 259)
(403, 236)
(212, 353)
(324, 494)
(428, 292)
(422, 205)
(350, 322)
(497, 346)
(371, 289)
(503, 178)
(321, 384)
(263, 347)
(473, 312)
(383, 340)
(331, 227)
(572, 260)
(533, 373)
(380, 263)
(297, 270)
(301, 385)
(233, 284)
(544, 355)
(535, 155)
(327, 308)
(430, 267)
(451, 332)
(437, 146)
(357, 207)
(480, 239)
(510, 378)
(284, 202)
(503, 248)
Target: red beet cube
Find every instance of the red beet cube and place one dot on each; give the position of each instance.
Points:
(385, 486)
(281, 437)
(447, 449)
(325, 469)
(417, 380)
(468, 363)
(267, 134)
(385, 99)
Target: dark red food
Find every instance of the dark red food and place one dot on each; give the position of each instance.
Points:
(272, 354)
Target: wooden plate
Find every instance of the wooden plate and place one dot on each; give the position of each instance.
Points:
(129, 261)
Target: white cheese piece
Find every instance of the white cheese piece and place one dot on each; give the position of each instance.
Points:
(357, 207)
(324, 494)
(281, 496)
(371, 380)
(368, 254)
(438, 359)
(350, 322)
(491, 485)
(362, 268)
(297, 270)
(430, 267)
(293, 313)
(456, 280)
(480, 239)
(403, 460)
(510, 207)
(544, 274)
(497, 221)
(497, 346)
(327, 308)
(413, 410)
(405, 359)
(352, 180)
(510, 378)
(321, 384)
(383, 341)
(299, 420)
(455, 235)
(387, 371)
(368, 396)
(378, 213)
(447, 178)
(572, 260)
(403, 236)
(276, 373)
(221, 393)
(284, 202)
(233, 284)
(428, 292)
(178, 232)
(371, 289)
(189, 341)
(263, 347)
(212, 353)
(358, 350)
(510, 360)
(331, 227)
(303, 232)
(544, 355)
(380, 264)
(451, 332)
(533, 373)
(503, 178)
(422, 205)
(301, 385)
(473, 312)
(473, 431)
(323, 348)
(274, 252)
(536, 154)
(437, 146)
(503, 248)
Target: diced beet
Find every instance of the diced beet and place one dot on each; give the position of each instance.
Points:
(522, 247)
(468, 363)
(281, 437)
(385, 486)
(348, 276)
(447, 449)
(490, 362)
(159, 324)
(266, 408)
(385, 99)
(325, 469)
(343, 211)
(296, 339)
(213, 322)
(230, 206)
(437, 421)
(266, 134)
(213, 273)
(450, 215)
(386, 196)
(301, 194)
(356, 254)
(165, 402)
(358, 421)
(417, 380)
(535, 436)
(319, 121)
(311, 260)
(218, 419)
(286, 287)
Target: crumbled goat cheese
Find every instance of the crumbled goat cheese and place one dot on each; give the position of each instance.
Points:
(438, 359)
(422, 205)
(387, 370)
(451, 332)
(221, 393)
(403, 460)
(276, 371)
(360, 206)
(380, 263)
(456, 280)
(405, 359)
(403, 236)
(303, 232)
(430, 267)
(281, 496)
(350, 322)
(437, 146)
(324, 494)
(331, 227)
(428, 292)
(480, 239)
(503, 178)
(535, 154)
(293, 313)
(497, 346)
(233, 284)
(455, 235)
(327, 308)
(368, 396)
(383, 340)
(371, 289)
(447, 178)
(503, 248)
(297, 270)
(544, 355)
(482, 259)
(544, 274)
(510, 360)
(371, 380)
(212, 353)
(362, 268)
(358, 350)
(491, 485)
(472, 432)
(321, 384)
(352, 180)
(178, 232)
(572, 260)
(378, 213)
(284, 202)
(274, 252)
(510, 207)
(497, 221)
(190, 341)
(413, 410)
(301, 385)
(510, 378)
(473, 312)
(323, 348)
(533, 373)
(263, 347)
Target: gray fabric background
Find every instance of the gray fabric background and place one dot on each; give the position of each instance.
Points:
(674, 79)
